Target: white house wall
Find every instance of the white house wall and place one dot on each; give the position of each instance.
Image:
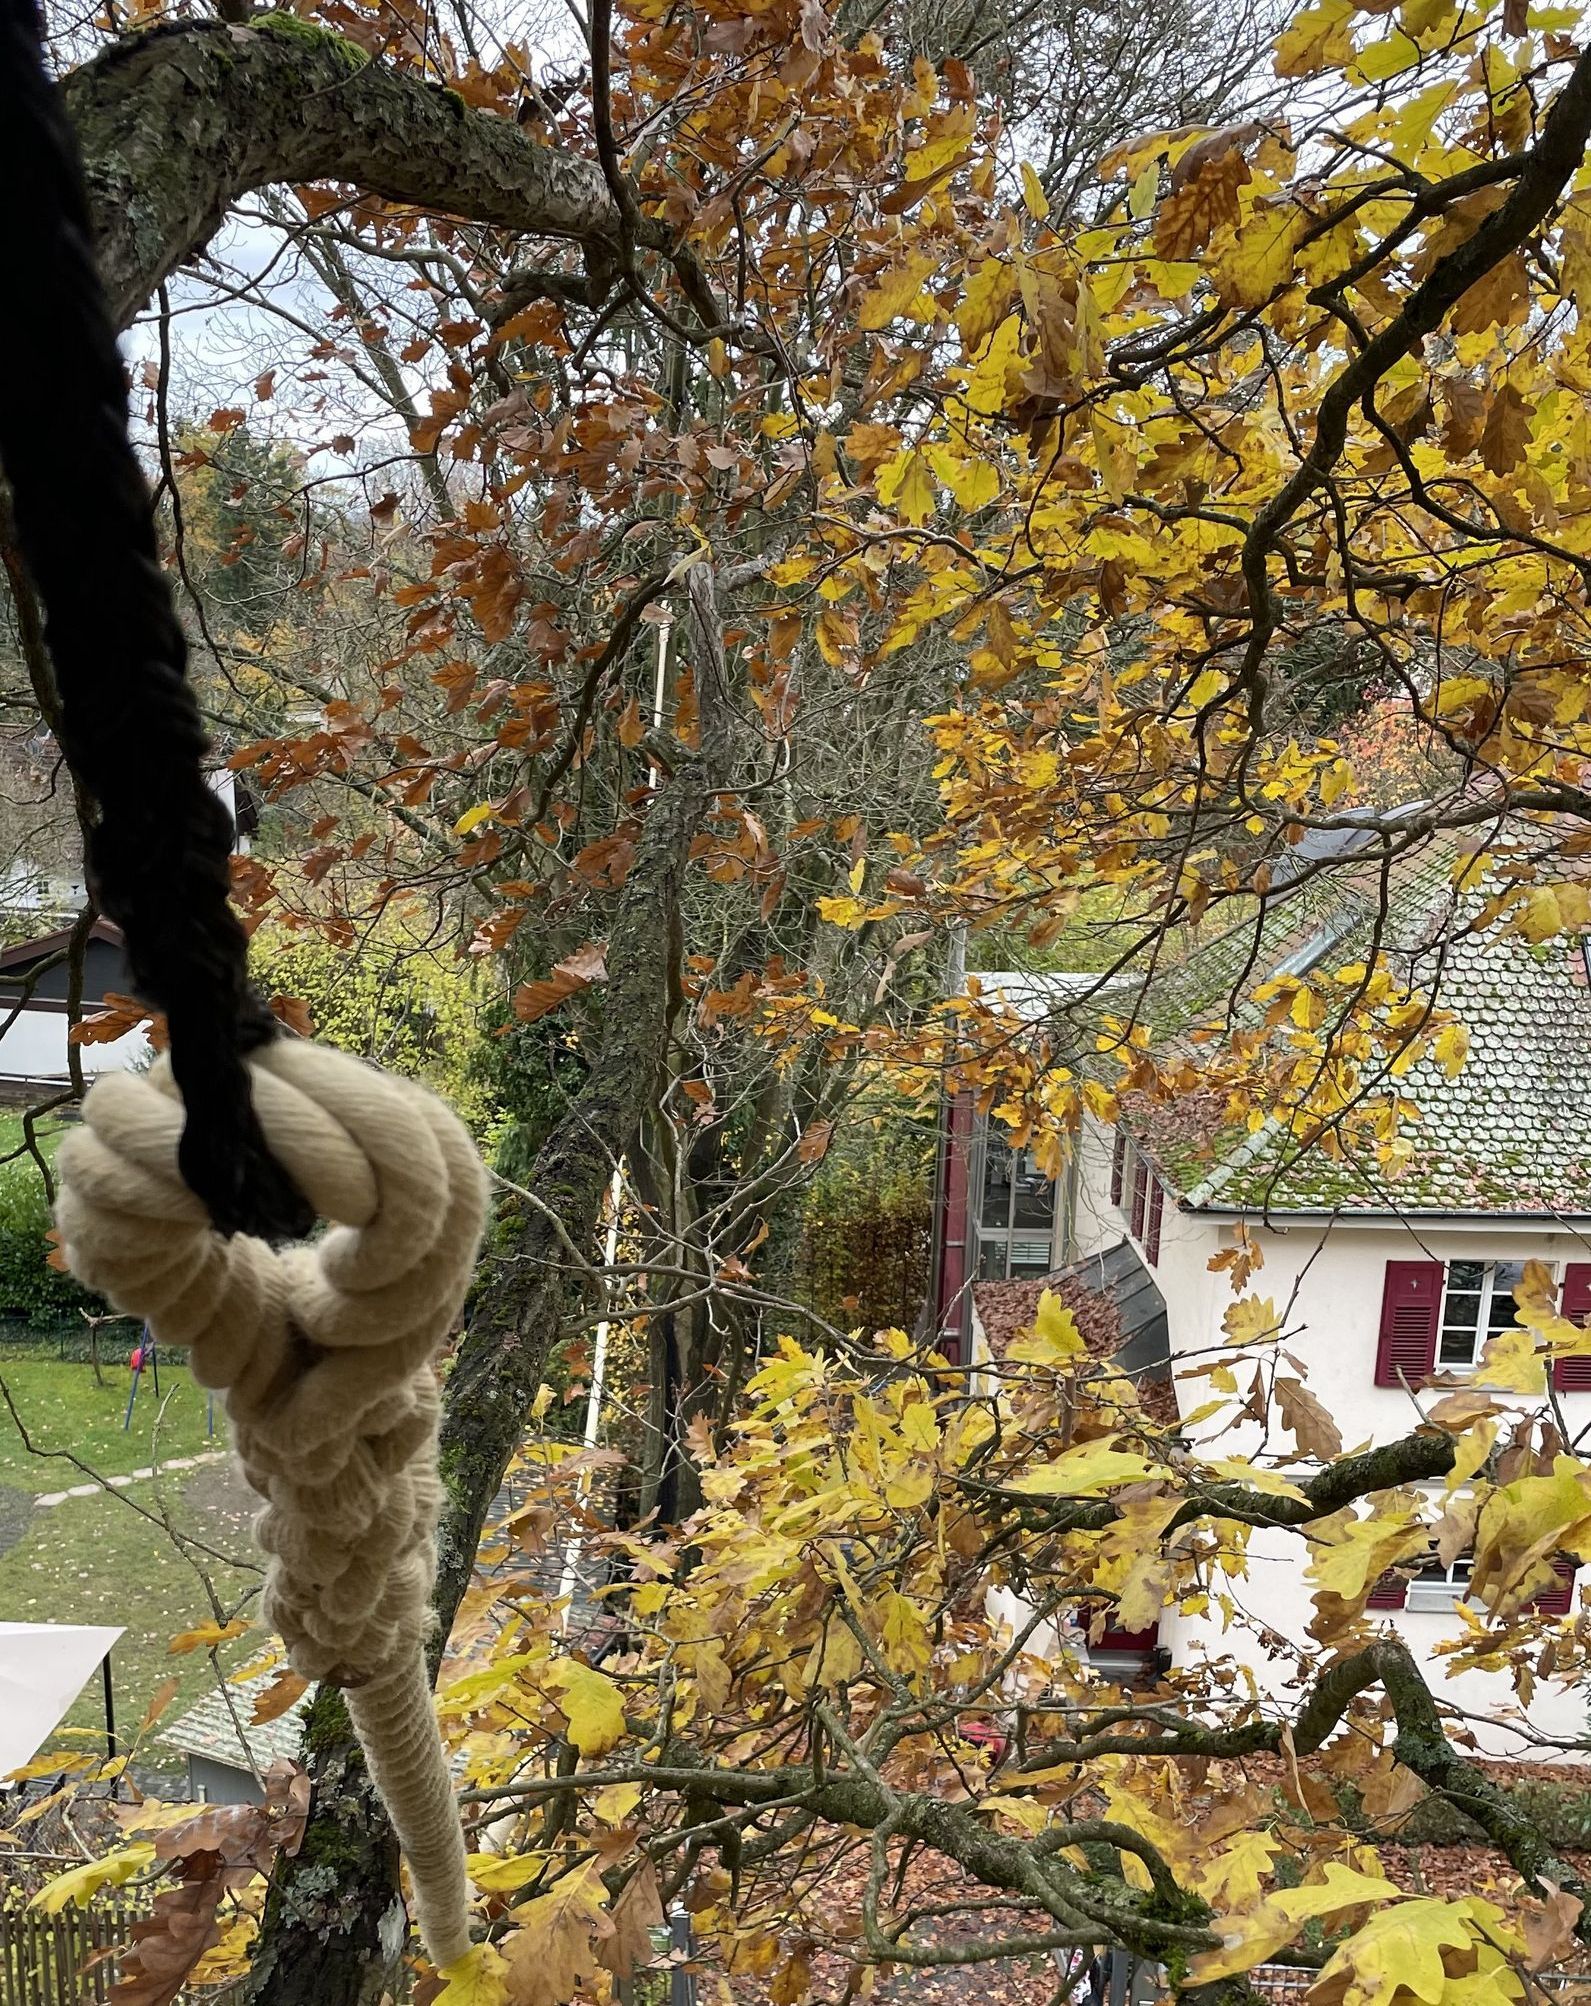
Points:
(1095, 1222)
(34, 1049)
(1326, 1282)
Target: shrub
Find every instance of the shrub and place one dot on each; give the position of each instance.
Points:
(396, 1000)
(30, 1289)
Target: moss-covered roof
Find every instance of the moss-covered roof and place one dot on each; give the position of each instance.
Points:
(1510, 1134)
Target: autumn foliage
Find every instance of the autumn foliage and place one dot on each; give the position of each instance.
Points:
(831, 550)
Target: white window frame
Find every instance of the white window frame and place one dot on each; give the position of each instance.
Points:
(1435, 1596)
(1483, 1313)
(1034, 1242)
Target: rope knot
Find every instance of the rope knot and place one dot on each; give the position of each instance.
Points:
(323, 1354)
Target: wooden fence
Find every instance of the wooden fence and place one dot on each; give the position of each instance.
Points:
(59, 1960)
(71, 1958)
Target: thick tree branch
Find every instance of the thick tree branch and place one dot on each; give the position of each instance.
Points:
(1547, 170)
(1413, 1459)
(178, 123)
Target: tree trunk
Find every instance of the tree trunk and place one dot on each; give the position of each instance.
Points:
(334, 1928)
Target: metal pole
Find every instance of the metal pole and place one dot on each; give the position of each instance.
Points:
(681, 1983)
(599, 1373)
(110, 1708)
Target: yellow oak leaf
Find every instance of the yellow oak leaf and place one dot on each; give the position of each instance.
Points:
(1089, 1467)
(889, 297)
(592, 1705)
(1521, 1526)
(1054, 1337)
(78, 1883)
(1258, 257)
(204, 1636)
(503, 1873)
(1034, 199)
(1316, 39)
(1250, 1938)
(1406, 1950)
(1352, 1553)
(476, 1978)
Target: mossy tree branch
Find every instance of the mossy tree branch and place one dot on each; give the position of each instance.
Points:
(177, 123)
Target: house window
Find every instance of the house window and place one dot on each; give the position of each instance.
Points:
(1477, 1304)
(1436, 1587)
(1016, 1213)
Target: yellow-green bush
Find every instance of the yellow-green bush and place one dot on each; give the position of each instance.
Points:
(412, 1009)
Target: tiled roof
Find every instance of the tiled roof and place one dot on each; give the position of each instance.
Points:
(1511, 1134)
(207, 1728)
(1006, 1309)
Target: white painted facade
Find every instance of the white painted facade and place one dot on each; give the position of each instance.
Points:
(34, 1050)
(1326, 1279)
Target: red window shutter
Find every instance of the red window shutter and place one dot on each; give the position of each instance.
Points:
(1140, 1195)
(1558, 1601)
(1573, 1375)
(1112, 1637)
(1118, 1168)
(1140, 1642)
(1411, 1303)
(1157, 1205)
(1390, 1592)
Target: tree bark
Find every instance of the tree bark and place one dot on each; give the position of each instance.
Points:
(334, 1926)
(177, 123)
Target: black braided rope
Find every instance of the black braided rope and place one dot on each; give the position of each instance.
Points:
(158, 855)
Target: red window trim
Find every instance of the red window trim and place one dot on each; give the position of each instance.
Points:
(1411, 1308)
(1573, 1375)
(1140, 1193)
(1157, 1206)
(1558, 1601)
(1390, 1592)
(1118, 1168)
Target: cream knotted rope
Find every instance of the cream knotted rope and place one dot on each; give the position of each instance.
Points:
(323, 1353)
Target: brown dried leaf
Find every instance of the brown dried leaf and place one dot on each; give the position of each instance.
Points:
(1308, 1420)
(814, 1143)
(636, 1913)
(1549, 1928)
(159, 1700)
(1506, 434)
(1192, 213)
(533, 1000)
(181, 1929)
(283, 1691)
(120, 1015)
(293, 1011)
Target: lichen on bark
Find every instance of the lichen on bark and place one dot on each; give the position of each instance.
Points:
(178, 122)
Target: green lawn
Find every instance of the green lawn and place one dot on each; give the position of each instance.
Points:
(63, 1407)
(47, 1132)
(97, 1559)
